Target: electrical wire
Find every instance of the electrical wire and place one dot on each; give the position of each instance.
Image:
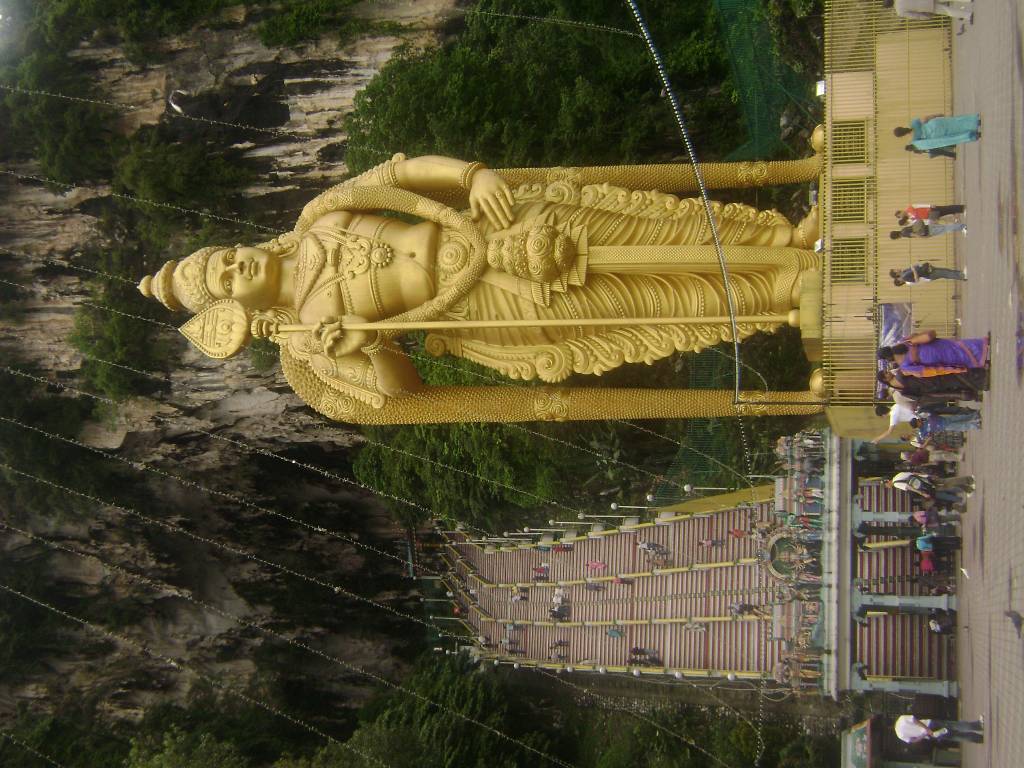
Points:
(30, 749)
(179, 665)
(229, 548)
(285, 638)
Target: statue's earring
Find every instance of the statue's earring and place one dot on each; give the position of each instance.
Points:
(220, 330)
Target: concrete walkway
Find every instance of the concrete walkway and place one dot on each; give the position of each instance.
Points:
(989, 79)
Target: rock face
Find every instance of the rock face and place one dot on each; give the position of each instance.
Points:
(216, 421)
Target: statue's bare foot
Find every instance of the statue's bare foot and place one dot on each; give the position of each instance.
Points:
(805, 234)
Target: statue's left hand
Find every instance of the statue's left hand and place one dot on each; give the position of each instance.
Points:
(339, 341)
(491, 196)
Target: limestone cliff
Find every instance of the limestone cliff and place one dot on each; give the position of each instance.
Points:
(298, 96)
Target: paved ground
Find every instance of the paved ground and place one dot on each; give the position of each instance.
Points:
(989, 79)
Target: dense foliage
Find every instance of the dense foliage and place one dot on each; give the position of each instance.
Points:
(507, 91)
(514, 93)
(403, 731)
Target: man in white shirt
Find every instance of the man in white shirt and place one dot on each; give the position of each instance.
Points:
(911, 730)
(902, 410)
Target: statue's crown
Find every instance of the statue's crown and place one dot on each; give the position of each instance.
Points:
(182, 284)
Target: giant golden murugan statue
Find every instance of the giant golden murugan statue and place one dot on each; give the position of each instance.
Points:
(552, 272)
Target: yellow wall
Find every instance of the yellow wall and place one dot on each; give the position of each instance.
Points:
(880, 71)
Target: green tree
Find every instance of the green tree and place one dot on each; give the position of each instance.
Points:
(72, 141)
(406, 732)
(139, 24)
(513, 92)
(120, 347)
(498, 469)
(178, 750)
(76, 738)
(177, 176)
(26, 401)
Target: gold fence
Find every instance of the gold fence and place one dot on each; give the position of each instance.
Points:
(880, 72)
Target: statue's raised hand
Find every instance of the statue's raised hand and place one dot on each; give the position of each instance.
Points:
(337, 340)
(490, 196)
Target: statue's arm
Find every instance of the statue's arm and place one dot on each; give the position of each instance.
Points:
(429, 173)
(435, 173)
(345, 353)
(489, 194)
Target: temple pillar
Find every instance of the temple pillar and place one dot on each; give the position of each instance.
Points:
(863, 682)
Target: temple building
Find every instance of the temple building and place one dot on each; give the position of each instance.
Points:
(768, 583)
(880, 72)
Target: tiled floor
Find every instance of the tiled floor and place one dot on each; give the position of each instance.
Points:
(989, 79)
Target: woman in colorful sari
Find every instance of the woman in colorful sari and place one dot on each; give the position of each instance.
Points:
(924, 355)
(936, 132)
(950, 386)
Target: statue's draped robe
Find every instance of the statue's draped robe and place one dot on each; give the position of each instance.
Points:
(639, 261)
(633, 254)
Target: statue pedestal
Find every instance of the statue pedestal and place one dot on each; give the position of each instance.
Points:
(811, 312)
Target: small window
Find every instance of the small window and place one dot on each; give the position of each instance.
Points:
(849, 142)
(848, 261)
(849, 200)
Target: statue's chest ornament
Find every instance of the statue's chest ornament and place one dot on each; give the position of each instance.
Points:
(354, 255)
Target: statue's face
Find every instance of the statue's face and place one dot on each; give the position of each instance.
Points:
(250, 276)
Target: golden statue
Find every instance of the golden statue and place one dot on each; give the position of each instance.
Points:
(552, 272)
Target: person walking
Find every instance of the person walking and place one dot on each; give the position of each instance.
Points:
(912, 730)
(935, 134)
(920, 229)
(924, 273)
(927, 9)
(942, 622)
(902, 411)
(932, 425)
(927, 213)
(954, 386)
(965, 482)
(710, 543)
(922, 485)
(933, 542)
(924, 354)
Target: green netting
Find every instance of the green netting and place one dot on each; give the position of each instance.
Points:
(704, 458)
(765, 84)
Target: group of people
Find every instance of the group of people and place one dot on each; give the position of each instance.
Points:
(803, 458)
(927, 378)
(925, 220)
(643, 656)
(924, 374)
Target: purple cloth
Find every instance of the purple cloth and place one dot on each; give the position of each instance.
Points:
(941, 353)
